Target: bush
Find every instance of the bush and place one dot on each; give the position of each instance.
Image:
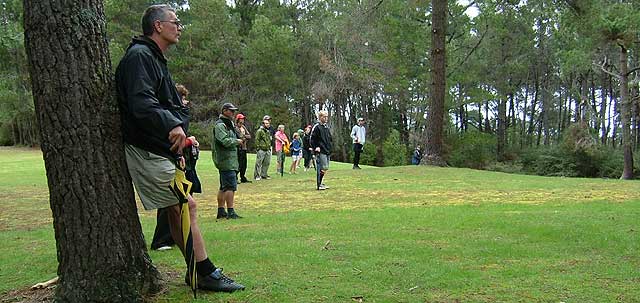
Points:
(473, 149)
(368, 155)
(393, 151)
(578, 155)
(6, 138)
(203, 132)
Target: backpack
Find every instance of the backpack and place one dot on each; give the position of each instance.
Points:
(286, 148)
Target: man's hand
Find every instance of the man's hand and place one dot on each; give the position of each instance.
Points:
(317, 149)
(177, 137)
(194, 142)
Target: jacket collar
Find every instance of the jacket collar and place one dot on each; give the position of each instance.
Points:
(153, 46)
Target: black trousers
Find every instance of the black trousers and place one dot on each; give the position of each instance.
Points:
(162, 235)
(242, 162)
(306, 154)
(357, 150)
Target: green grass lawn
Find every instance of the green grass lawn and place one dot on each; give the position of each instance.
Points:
(397, 234)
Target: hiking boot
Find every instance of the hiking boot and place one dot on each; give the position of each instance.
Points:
(222, 215)
(233, 215)
(217, 281)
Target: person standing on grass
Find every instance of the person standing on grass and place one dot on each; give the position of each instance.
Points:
(321, 143)
(225, 157)
(306, 147)
(243, 133)
(154, 122)
(162, 239)
(263, 151)
(296, 153)
(281, 141)
(358, 136)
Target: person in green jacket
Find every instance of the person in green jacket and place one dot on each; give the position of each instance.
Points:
(263, 151)
(225, 157)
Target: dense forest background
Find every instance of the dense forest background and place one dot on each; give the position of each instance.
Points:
(544, 87)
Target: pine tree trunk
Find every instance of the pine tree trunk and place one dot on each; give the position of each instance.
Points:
(433, 154)
(101, 251)
(625, 112)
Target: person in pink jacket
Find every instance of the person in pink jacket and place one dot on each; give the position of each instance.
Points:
(281, 140)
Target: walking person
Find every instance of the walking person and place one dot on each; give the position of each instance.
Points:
(263, 151)
(225, 157)
(417, 156)
(358, 136)
(306, 147)
(154, 123)
(243, 133)
(321, 143)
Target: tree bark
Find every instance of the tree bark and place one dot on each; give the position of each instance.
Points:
(433, 154)
(101, 251)
(625, 112)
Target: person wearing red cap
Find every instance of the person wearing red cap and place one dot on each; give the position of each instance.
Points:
(242, 132)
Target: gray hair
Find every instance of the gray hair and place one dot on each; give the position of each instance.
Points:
(152, 14)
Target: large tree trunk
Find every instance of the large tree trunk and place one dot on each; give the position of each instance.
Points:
(433, 154)
(625, 112)
(101, 251)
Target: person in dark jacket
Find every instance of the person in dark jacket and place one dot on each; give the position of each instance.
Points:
(306, 147)
(225, 157)
(321, 144)
(243, 133)
(154, 126)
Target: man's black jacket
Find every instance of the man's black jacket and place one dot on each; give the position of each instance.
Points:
(321, 137)
(150, 106)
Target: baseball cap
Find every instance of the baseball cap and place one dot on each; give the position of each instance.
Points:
(229, 106)
(240, 116)
(360, 119)
(266, 117)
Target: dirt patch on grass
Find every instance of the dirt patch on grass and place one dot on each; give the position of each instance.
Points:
(46, 295)
(29, 296)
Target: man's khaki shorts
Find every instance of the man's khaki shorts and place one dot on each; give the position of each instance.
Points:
(152, 176)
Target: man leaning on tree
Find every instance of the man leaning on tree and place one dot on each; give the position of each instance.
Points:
(154, 123)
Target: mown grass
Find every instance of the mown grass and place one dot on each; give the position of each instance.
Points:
(399, 234)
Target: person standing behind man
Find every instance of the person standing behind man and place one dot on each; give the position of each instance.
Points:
(358, 135)
(154, 123)
(321, 144)
(263, 151)
(243, 133)
(225, 157)
(306, 147)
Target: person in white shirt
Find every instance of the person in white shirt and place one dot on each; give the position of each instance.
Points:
(358, 135)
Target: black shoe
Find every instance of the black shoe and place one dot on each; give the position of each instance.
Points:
(233, 215)
(217, 281)
(245, 181)
(222, 215)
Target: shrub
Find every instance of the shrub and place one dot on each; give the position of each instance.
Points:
(203, 132)
(393, 151)
(473, 149)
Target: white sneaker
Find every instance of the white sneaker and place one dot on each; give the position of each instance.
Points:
(163, 248)
(322, 187)
(258, 178)
(325, 187)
